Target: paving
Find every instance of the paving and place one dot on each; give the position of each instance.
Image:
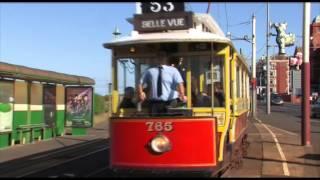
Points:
(252, 162)
(275, 145)
(283, 154)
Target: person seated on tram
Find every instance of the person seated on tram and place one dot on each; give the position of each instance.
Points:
(178, 63)
(162, 82)
(127, 101)
(219, 94)
(204, 98)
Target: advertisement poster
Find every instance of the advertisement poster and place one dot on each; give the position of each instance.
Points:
(79, 109)
(6, 106)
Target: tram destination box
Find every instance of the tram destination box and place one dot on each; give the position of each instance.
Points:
(153, 22)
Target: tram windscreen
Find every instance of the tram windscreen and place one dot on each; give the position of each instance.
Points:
(206, 79)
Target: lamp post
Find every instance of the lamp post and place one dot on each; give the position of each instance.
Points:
(305, 121)
(268, 63)
(254, 83)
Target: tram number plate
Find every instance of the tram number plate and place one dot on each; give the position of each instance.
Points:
(159, 126)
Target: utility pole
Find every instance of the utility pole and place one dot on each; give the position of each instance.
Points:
(305, 121)
(254, 82)
(208, 9)
(268, 63)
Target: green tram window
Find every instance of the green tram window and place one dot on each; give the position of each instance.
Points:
(6, 91)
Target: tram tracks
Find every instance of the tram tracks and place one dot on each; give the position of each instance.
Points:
(87, 160)
(76, 167)
(35, 164)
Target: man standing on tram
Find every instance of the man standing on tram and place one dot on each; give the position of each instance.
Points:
(162, 82)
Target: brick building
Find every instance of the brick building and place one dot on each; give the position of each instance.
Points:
(279, 75)
(315, 54)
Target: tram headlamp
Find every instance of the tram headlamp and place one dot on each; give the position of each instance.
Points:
(160, 144)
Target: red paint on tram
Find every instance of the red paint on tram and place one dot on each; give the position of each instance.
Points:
(193, 143)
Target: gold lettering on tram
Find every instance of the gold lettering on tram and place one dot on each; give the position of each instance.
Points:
(159, 126)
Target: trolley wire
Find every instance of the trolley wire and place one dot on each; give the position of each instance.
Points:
(264, 46)
(242, 23)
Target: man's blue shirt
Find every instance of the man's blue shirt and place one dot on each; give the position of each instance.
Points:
(171, 77)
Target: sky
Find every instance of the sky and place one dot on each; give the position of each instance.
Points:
(68, 37)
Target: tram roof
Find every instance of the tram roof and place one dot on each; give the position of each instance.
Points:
(173, 36)
(31, 74)
(190, 35)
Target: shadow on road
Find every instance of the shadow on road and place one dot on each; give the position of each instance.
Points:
(272, 142)
(311, 156)
(280, 161)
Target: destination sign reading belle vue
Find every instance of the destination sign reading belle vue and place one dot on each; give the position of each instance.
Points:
(163, 21)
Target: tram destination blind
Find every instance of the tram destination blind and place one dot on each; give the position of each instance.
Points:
(163, 21)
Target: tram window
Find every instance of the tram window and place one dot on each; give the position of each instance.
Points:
(126, 82)
(6, 92)
(201, 83)
(180, 64)
(238, 81)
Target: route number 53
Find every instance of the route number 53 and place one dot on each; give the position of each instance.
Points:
(159, 126)
(156, 7)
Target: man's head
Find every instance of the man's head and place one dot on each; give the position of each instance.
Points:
(162, 58)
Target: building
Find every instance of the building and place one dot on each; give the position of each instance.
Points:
(295, 77)
(315, 54)
(279, 75)
(261, 69)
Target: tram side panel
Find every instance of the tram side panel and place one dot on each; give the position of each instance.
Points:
(193, 143)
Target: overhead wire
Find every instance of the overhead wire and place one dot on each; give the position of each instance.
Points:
(226, 12)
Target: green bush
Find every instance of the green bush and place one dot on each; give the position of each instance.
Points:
(99, 105)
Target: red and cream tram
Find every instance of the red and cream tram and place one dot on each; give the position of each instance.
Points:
(205, 134)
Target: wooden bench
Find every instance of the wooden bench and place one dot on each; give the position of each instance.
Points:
(31, 128)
